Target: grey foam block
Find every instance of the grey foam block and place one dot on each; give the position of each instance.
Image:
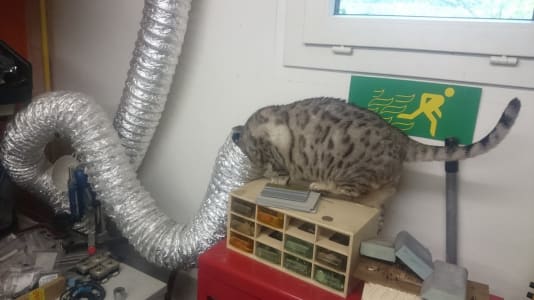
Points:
(413, 254)
(447, 282)
(378, 249)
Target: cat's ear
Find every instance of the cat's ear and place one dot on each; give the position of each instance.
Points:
(237, 132)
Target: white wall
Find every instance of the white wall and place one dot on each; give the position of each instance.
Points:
(232, 64)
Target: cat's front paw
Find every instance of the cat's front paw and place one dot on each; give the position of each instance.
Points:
(280, 180)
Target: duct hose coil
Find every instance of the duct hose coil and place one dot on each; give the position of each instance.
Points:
(78, 119)
(155, 56)
(110, 166)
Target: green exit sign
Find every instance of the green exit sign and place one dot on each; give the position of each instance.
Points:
(423, 109)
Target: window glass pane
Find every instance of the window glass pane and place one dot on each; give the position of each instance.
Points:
(473, 9)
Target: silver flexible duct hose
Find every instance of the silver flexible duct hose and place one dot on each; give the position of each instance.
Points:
(152, 67)
(157, 237)
(154, 235)
(158, 46)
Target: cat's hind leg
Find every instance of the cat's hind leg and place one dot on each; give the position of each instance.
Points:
(352, 190)
(322, 186)
(333, 189)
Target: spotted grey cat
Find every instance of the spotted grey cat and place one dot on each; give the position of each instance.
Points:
(342, 149)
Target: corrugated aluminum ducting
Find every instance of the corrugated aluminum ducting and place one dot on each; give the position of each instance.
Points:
(149, 78)
(158, 46)
(157, 237)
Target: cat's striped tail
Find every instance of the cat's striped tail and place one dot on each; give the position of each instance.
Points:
(420, 152)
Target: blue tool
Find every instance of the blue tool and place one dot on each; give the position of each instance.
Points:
(83, 205)
(81, 196)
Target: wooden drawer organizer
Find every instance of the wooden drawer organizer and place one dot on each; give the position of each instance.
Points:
(320, 248)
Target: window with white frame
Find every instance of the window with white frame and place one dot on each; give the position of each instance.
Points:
(490, 42)
(467, 9)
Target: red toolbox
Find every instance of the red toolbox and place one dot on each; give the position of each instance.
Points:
(225, 275)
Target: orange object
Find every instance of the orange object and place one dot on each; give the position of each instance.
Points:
(242, 243)
(271, 217)
(13, 25)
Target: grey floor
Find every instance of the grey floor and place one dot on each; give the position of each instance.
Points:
(182, 285)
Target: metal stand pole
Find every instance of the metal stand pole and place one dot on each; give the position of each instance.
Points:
(451, 194)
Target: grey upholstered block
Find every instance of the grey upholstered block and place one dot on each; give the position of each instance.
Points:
(447, 282)
(378, 249)
(413, 254)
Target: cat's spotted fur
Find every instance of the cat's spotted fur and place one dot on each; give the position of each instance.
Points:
(343, 149)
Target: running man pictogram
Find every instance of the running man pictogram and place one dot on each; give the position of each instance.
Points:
(428, 105)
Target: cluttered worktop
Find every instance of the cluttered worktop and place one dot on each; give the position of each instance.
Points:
(36, 264)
